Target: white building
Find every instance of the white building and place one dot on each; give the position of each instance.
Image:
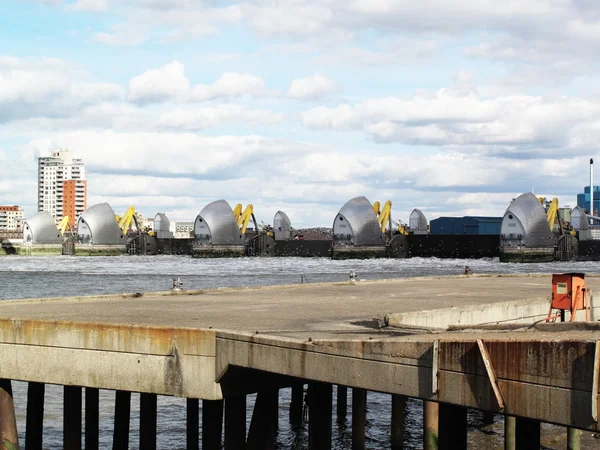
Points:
(62, 185)
(11, 218)
(182, 230)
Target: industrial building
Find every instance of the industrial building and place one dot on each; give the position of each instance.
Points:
(11, 218)
(465, 225)
(62, 186)
(583, 200)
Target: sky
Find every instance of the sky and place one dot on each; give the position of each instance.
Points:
(454, 107)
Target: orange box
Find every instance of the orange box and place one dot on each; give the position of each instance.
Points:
(567, 288)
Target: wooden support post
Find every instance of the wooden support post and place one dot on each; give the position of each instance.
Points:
(359, 417)
(92, 418)
(489, 367)
(72, 418)
(212, 424)
(430, 425)
(320, 411)
(527, 434)
(596, 384)
(122, 420)
(34, 425)
(235, 423)
(452, 427)
(192, 424)
(148, 410)
(263, 427)
(510, 433)
(342, 403)
(296, 405)
(488, 418)
(573, 439)
(8, 421)
(398, 409)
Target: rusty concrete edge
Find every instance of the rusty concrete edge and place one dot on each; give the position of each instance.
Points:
(317, 345)
(423, 361)
(133, 295)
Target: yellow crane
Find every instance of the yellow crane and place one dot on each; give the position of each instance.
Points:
(552, 214)
(64, 225)
(125, 220)
(243, 216)
(401, 228)
(377, 208)
(383, 214)
(237, 211)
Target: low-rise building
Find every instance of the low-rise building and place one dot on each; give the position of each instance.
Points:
(182, 230)
(11, 218)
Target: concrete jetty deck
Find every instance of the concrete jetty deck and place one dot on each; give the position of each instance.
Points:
(221, 344)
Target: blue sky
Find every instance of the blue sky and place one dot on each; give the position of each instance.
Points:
(451, 106)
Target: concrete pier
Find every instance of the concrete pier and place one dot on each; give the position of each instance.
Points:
(219, 346)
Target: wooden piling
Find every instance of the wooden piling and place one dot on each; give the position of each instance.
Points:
(235, 423)
(148, 411)
(72, 417)
(573, 439)
(92, 418)
(297, 405)
(398, 409)
(527, 434)
(263, 431)
(122, 420)
(452, 427)
(342, 403)
(34, 424)
(488, 418)
(8, 421)
(510, 433)
(212, 424)
(359, 417)
(275, 402)
(430, 425)
(320, 411)
(192, 424)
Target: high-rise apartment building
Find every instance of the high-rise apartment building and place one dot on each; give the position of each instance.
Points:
(62, 187)
(11, 218)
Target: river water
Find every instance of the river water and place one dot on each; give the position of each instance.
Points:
(32, 277)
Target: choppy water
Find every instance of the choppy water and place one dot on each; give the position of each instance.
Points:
(30, 277)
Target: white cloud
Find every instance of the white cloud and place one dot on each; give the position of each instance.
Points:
(457, 117)
(169, 83)
(94, 6)
(156, 85)
(313, 87)
(230, 85)
(42, 87)
(123, 35)
(178, 153)
(201, 118)
(393, 52)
